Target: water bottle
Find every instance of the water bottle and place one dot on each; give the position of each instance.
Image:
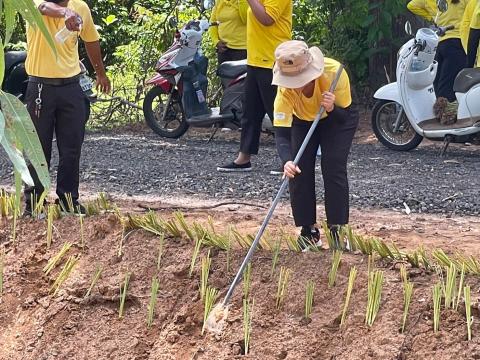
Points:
(63, 34)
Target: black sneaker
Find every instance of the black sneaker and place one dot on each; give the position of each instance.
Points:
(309, 239)
(233, 167)
(78, 208)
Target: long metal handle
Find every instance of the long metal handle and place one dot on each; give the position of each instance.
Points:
(280, 192)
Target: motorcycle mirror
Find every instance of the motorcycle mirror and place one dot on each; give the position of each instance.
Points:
(408, 28)
(442, 5)
(208, 4)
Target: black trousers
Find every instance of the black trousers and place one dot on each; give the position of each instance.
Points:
(451, 60)
(63, 113)
(232, 55)
(473, 42)
(334, 135)
(260, 96)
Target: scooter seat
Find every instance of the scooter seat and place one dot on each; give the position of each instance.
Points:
(466, 79)
(12, 58)
(232, 69)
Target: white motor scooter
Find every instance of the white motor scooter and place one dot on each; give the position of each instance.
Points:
(404, 112)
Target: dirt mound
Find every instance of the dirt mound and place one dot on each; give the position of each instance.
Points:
(36, 325)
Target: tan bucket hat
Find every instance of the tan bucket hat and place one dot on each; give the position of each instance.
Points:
(296, 64)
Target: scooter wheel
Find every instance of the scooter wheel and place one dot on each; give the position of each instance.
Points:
(171, 124)
(399, 137)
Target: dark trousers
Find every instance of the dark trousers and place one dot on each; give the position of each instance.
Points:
(260, 96)
(473, 42)
(63, 113)
(334, 135)
(232, 55)
(451, 60)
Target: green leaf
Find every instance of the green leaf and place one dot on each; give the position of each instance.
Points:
(2, 61)
(110, 19)
(2, 126)
(10, 19)
(19, 123)
(30, 13)
(15, 156)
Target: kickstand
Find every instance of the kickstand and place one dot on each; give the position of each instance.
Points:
(446, 142)
(213, 134)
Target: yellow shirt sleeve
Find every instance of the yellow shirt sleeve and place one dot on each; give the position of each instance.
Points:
(213, 30)
(275, 8)
(343, 95)
(89, 32)
(283, 108)
(423, 8)
(466, 21)
(242, 10)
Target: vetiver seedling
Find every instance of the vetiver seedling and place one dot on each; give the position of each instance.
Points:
(153, 301)
(468, 311)
(123, 295)
(407, 298)
(196, 251)
(210, 297)
(50, 213)
(183, 224)
(65, 273)
(460, 286)
(54, 261)
(276, 255)
(247, 322)
(309, 291)
(449, 287)
(375, 285)
(206, 262)
(332, 275)
(95, 278)
(351, 282)
(437, 300)
(282, 286)
(247, 280)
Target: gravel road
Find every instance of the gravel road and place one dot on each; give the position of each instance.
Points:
(144, 164)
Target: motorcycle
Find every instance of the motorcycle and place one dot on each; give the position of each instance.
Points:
(404, 112)
(177, 98)
(16, 79)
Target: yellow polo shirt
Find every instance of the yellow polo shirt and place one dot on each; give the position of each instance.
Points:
(471, 20)
(41, 60)
(232, 15)
(289, 102)
(263, 40)
(453, 16)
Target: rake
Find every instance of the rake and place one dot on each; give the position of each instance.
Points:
(217, 318)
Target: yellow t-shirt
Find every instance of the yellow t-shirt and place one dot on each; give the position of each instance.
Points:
(453, 16)
(471, 20)
(289, 102)
(41, 60)
(232, 15)
(263, 40)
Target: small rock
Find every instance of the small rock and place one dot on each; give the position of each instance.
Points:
(172, 337)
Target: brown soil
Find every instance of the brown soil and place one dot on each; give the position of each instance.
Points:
(36, 325)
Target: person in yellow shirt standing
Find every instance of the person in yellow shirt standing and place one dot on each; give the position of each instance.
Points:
(451, 55)
(269, 23)
(304, 77)
(472, 32)
(230, 36)
(54, 98)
